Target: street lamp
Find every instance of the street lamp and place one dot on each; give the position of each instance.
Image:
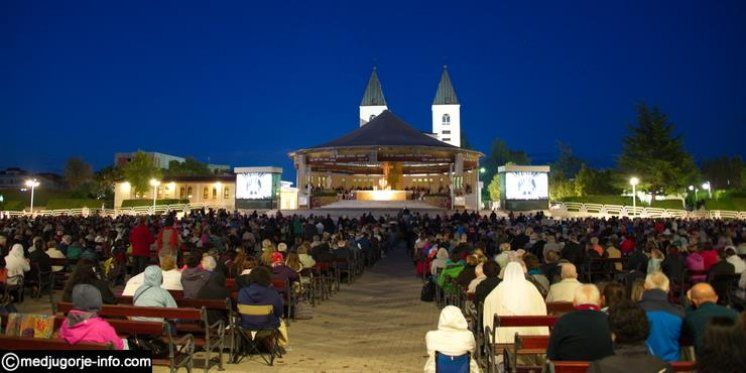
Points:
(695, 190)
(706, 186)
(634, 181)
(154, 183)
(32, 183)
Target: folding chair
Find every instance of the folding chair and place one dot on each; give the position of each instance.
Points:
(452, 364)
(251, 339)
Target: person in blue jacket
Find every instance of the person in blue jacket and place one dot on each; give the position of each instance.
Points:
(260, 292)
(665, 319)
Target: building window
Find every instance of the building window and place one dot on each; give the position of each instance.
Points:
(226, 193)
(446, 132)
(189, 192)
(181, 192)
(446, 119)
(371, 118)
(214, 193)
(446, 139)
(205, 193)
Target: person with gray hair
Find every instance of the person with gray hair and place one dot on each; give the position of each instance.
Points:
(170, 273)
(564, 291)
(665, 318)
(582, 335)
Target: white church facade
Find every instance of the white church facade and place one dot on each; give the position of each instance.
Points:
(446, 109)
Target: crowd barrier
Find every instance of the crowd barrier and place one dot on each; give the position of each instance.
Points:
(139, 210)
(644, 212)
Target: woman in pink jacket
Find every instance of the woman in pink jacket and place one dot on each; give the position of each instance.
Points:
(83, 324)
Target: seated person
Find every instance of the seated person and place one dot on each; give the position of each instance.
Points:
(171, 275)
(195, 275)
(723, 346)
(280, 271)
(704, 307)
(564, 291)
(664, 317)
(453, 338)
(215, 288)
(83, 324)
(244, 278)
(260, 292)
(584, 333)
(151, 294)
(629, 329)
(85, 273)
(492, 278)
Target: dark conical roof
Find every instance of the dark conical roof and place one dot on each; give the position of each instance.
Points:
(386, 129)
(446, 95)
(373, 95)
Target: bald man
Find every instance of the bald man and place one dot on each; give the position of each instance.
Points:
(704, 307)
(564, 291)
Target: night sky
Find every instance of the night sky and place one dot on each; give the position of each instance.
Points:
(245, 82)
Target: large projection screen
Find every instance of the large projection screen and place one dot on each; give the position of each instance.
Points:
(254, 186)
(526, 185)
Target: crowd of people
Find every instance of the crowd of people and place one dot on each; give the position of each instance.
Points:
(511, 265)
(628, 313)
(146, 257)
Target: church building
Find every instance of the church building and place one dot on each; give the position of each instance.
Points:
(446, 110)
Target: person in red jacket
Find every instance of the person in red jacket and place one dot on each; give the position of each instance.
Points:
(168, 238)
(140, 239)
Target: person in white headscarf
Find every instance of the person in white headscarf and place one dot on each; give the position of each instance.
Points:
(16, 264)
(452, 338)
(441, 258)
(514, 296)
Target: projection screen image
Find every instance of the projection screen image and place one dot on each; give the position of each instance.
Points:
(526, 185)
(254, 185)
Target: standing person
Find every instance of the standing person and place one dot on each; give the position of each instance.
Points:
(452, 338)
(140, 239)
(168, 237)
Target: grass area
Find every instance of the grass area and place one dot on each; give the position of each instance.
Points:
(728, 204)
(16, 200)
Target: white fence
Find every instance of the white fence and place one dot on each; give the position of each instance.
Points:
(643, 212)
(139, 210)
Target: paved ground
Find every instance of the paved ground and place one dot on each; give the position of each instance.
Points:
(377, 324)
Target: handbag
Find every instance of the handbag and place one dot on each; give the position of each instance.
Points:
(428, 292)
(303, 310)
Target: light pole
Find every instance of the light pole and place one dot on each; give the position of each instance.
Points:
(706, 186)
(154, 183)
(32, 183)
(480, 184)
(634, 181)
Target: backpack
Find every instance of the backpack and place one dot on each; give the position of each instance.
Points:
(428, 292)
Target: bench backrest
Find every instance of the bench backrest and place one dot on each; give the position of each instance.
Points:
(30, 343)
(582, 366)
(516, 321)
(121, 310)
(136, 327)
(531, 342)
(210, 304)
(557, 308)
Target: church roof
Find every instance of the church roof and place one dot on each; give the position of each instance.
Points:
(386, 129)
(445, 95)
(373, 95)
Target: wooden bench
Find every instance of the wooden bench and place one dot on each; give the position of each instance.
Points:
(582, 366)
(180, 350)
(191, 320)
(41, 344)
(559, 308)
(526, 345)
(494, 348)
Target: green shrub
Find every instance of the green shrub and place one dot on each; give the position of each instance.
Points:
(73, 203)
(149, 202)
(728, 204)
(14, 205)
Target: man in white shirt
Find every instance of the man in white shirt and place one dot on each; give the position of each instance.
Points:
(171, 275)
(564, 291)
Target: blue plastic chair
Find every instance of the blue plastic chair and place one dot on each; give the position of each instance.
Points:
(452, 364)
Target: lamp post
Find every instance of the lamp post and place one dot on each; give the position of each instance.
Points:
(32, 183)
(154, 183)
(634, 181)
(706, 186)
(482, 170)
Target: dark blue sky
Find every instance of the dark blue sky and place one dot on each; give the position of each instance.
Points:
(245, 82)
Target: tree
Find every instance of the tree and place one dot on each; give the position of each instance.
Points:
(590, 181)
(190, 167)
(723, 172)
(652, 152)
(139, 171)
(493, 188)
(104, 182)
(567, 163)
(77, 173)
(500, 155)
(465, 142)
(560, 187)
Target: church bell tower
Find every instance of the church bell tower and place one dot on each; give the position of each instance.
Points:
(447, 112)
(373, 102)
